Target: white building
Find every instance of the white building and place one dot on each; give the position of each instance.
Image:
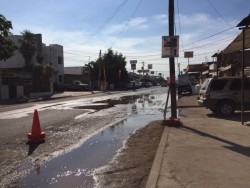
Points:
(52, 54)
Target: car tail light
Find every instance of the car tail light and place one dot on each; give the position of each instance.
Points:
(207, 95)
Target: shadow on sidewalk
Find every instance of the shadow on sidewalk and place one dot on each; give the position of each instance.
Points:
(235, 117)
(233, 146)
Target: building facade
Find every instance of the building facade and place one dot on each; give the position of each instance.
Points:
(15, 82)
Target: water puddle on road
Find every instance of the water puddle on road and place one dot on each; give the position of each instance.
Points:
(74, 169)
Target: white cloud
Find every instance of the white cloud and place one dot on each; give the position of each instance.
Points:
(138, 23)
(194, 27)
(161, 19)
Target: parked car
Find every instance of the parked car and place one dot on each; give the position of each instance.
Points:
(76, 85)
(184, 85)
(223, 95)
(184, 88)
(164, 84)
(146, 84)
(131, 83)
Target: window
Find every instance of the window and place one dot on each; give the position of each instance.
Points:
(60, 77)
(246, 84)
(236, 84)
(218, 84)
(60, 60)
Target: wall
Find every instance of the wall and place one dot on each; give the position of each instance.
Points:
(73, 70)
(45, 55)
(53, 54)
(4, 92)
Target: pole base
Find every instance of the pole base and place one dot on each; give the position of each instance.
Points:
(171, 122)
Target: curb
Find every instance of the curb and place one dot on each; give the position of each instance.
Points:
(156, 167)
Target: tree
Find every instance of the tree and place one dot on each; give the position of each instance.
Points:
(113, 65)
(7, 46)
(28, 46)
(49, 70)
(41, 76)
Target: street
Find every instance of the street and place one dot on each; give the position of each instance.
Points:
(68, 125)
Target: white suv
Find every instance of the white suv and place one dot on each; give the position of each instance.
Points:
(223, 95)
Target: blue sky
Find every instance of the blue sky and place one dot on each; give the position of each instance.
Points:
(131, 27)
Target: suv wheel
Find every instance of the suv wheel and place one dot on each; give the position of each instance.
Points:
(226, 108)
(214, 111)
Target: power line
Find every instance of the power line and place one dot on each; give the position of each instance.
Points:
(210, 36)
(211, 43)
(179, 24)
(127, 22)
(211, 4)
(117, 10)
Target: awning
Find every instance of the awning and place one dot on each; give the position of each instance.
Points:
(205, 72)
(236, 45)
(196, 68)
(225, 68)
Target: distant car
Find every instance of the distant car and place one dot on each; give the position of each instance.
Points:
(146, 84)
(184, 88)
(130, 85)
(164, 84)
(149, 84)
(223, 95)
(76, 85)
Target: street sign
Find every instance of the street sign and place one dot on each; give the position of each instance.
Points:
(150, 66)
(133, 64)
(170, 46)
(133, 61)
(188, 54)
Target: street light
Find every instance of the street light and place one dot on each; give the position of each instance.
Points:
(243, 25)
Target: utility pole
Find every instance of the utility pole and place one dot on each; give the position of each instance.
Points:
(243, 25)
(90, 84)
(143, 70)
(171, 42)
(99, 73)
(172, 62)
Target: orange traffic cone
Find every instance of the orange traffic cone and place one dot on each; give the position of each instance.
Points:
(36, 135)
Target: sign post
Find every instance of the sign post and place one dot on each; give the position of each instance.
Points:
(188, 55)
(133, 64)
(170, 49)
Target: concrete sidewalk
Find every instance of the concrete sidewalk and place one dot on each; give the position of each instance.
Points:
(207, 151)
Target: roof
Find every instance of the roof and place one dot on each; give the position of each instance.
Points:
(236, 44)
(196, 67)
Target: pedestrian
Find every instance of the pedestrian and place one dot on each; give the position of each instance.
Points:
(133, 85)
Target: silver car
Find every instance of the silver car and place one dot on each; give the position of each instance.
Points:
(223, 95)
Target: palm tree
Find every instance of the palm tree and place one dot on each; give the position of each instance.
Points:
(49, 71)
(28, 46)
(41, 76)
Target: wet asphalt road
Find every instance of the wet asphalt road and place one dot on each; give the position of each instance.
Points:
(54, 114)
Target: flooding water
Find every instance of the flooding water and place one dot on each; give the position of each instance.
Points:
(74, 169)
